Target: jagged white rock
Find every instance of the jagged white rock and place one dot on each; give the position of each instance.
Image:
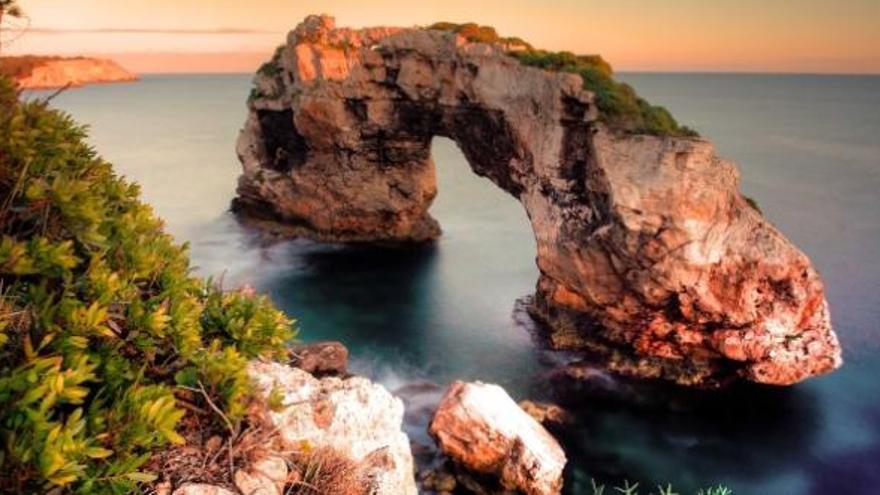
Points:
(354, 416)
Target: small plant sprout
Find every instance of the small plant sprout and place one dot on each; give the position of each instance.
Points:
(667, 490)
(627, 488)
(717, 490)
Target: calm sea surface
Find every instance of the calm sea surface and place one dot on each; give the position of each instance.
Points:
(808, 148)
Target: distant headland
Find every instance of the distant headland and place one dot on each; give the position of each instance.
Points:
(47, 72)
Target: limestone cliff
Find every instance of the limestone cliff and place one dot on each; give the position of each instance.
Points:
(650, 258)
(56, 72)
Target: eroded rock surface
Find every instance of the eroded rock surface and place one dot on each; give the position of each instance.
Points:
(321, 358)
(651, 261)
(480, 427)
(354, 417)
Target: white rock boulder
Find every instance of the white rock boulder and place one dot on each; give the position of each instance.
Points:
(481, 428)
(353, 416)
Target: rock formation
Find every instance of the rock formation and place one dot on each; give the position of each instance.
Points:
(549, 415)
(480, 427)
(354, 417)
(32, 72)
(651, 261)
(315, 435)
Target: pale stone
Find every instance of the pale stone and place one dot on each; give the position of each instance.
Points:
(354, 416)
(266, 476)
(201, 489)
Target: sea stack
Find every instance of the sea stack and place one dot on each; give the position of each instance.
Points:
(651, 260)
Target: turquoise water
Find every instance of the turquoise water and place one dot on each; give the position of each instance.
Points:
(809, 151)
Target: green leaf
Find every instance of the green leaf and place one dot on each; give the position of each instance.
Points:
(141, 477)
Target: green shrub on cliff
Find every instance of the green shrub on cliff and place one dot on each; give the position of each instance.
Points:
(100, 318)
(619, 106)
(480, 34)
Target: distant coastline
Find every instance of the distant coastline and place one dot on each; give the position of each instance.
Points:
(48, 72)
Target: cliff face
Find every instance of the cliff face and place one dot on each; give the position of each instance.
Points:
(650, 258)
(56, 72)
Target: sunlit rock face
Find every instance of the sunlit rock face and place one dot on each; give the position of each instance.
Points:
(57, 72)
(481, 428)
(651, 261)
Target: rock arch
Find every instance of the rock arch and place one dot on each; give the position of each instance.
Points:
(650, 259)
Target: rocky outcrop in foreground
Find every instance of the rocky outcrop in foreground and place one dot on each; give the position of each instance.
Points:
(322, 435)
(481, 428)
(32, 72)
(355, 417)
(651, 260)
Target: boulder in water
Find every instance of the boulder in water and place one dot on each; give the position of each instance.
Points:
(482, 429)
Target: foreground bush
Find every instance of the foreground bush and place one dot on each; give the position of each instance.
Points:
(101, 320)
(620, 108)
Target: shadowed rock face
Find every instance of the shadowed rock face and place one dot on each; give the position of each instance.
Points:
(651, 261)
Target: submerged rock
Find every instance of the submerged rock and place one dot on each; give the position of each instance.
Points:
(549, 415)
(651, 260)
(321, 358)
(353, 417)
(481, 428)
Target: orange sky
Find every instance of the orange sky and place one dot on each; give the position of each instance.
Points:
(663, 35)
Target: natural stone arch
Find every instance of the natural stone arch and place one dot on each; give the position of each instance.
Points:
(649, 256)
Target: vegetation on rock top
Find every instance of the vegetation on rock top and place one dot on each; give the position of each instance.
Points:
(620, 107)
(104, 333)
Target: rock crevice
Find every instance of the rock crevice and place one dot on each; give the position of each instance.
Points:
(650, 259)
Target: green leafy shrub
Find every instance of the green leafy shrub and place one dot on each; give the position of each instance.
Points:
(479, 34)
(620, 108)
(272, 68)
(102, 324)
(619, 105)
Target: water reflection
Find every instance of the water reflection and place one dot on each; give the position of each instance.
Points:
(375, 296)
(657, 433)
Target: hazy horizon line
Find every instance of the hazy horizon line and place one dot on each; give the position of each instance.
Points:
(623, 71)
(247, 62)
(221, 30)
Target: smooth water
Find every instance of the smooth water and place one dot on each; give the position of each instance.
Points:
(808, 148)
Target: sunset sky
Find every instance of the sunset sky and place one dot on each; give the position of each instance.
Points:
(656, 35)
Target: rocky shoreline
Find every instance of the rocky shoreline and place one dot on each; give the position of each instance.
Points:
(38, 72)
(324, 431)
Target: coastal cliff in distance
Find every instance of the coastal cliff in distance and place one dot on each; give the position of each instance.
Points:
(39, 72)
